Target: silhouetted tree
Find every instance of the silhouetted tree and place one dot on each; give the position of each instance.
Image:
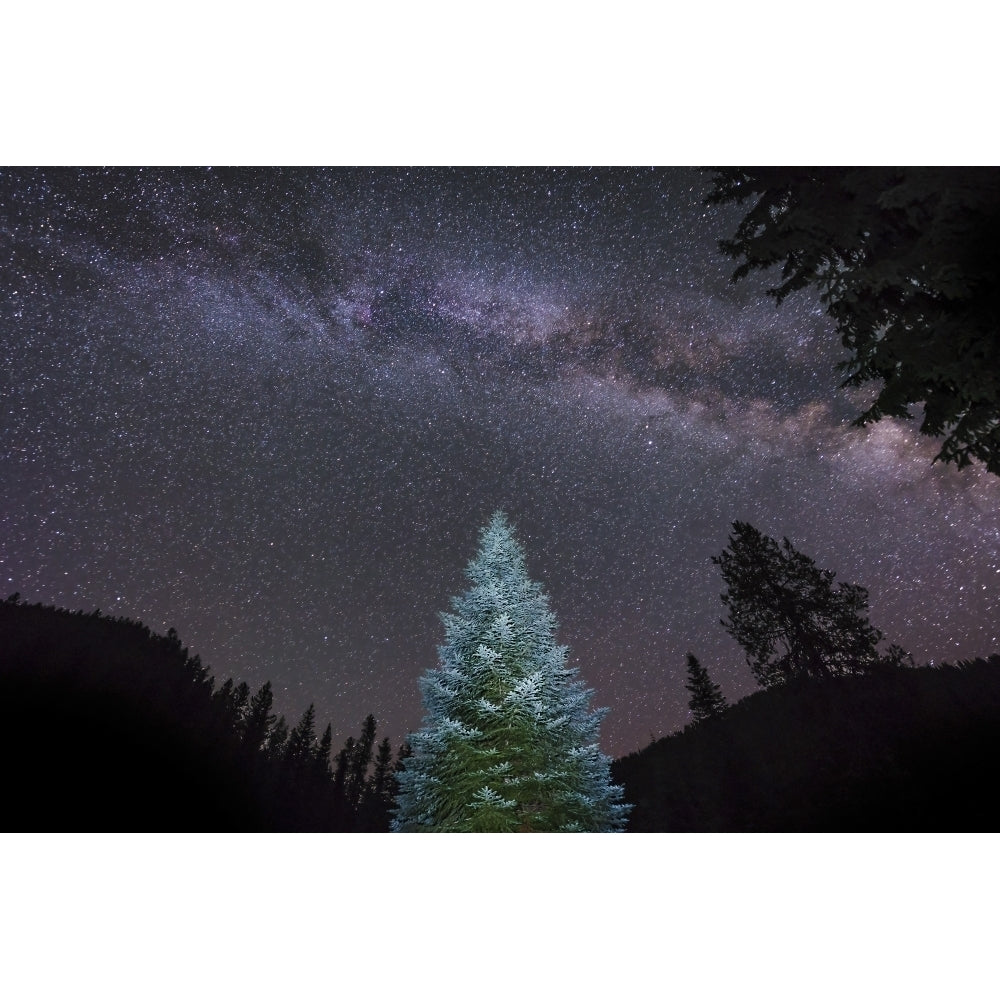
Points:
(224, 695)
(707, 698)
(382, 777)
(788, 616)
(301, 748)
(907, 262)
(509, 742)
(344, 758)
(404, 754)
(241, 699)
(323, 753)
(359, 762)
(259, 718)
(232, 698)
(277, 739)
(377, 802)
(896, 656)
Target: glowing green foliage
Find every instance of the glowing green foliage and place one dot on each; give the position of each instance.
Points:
(509, 742)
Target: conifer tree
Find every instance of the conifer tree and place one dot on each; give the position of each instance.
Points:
(241, 700)
(259, 717)
(277, 739)
(509, 742)
(787, 614)
(707, 698)
(374, 812)
(301, 747)
(323, 753)
(382, 778)
(224, 697)
(232, 698)
(404, 754)
(344, 757)
(360, 760)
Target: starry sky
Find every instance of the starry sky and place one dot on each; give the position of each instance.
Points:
(273, 408)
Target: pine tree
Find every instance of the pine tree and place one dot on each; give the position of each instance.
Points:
(277, 739)
(382, 778)
(787, 614)
(509, 742)
(223, 697)
(301, 748)
(241, 700)
(323, 754)
(404, 754)
(232, 699)
(344, 757)
(374, 812)
(707, 698)
(259, 717)
(360, 760)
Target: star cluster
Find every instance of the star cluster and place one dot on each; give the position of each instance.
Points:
(272, 408)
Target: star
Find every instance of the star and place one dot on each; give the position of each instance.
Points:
(272, 409)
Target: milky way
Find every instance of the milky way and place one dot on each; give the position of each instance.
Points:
(272, 409)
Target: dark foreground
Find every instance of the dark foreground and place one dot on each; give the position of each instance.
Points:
(913, 749)
(110, 728)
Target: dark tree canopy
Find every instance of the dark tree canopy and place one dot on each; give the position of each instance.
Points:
(787, 614)
(260, 720)
(906, 261)
(707, 699)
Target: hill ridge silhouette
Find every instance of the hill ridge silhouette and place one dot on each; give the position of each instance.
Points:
(110, 727)
(901, 749)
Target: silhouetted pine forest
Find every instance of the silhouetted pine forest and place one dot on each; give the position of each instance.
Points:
(110, 727)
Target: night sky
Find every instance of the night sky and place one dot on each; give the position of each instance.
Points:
(272, 409)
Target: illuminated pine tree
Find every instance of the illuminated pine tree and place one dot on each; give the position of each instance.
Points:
(509, 742)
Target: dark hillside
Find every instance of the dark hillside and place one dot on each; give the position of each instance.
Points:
(110, 727)
(900, 750)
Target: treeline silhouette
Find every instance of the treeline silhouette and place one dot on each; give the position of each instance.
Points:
(110, 727)
(895, 750)
(846, 735)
